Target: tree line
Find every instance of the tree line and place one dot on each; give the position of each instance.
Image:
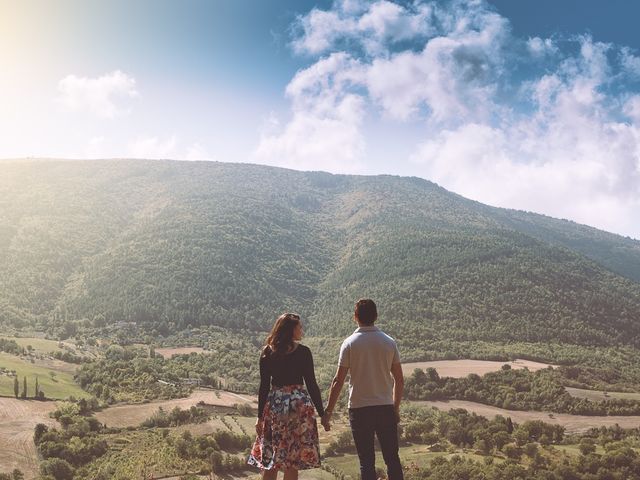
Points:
(513, 389)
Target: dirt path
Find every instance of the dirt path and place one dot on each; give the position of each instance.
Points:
(462, 368)
(573, 423)
(133, 415)
(17, 421)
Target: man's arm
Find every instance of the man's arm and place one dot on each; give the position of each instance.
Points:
(334, 393)
(398, 387)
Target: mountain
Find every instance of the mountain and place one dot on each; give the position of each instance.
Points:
(174, 244)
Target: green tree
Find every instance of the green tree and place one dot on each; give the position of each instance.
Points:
(24, 388)
(509, 425)
(39, 431)
(57, 468)
(586, 446)
(16, 386)
(512, 451)
(531, 449)
(482, 446)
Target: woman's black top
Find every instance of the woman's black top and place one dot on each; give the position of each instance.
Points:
(288, 369)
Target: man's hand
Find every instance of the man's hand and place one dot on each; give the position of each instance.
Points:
(326, 421)
(259, 427)
(334, 393)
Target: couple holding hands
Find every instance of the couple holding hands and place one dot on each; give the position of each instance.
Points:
(287, 433)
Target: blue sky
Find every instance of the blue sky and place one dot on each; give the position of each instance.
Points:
(523, 104)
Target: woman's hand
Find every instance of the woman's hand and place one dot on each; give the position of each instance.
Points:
(259, 427)
(325, 420)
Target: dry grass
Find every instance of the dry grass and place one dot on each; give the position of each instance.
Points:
(17, 420)
(572, 423)
(133, 415)
(462, 368)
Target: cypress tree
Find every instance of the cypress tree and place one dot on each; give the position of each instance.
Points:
(16, 386)
(24, 387)
(37, 392)
(509, 425)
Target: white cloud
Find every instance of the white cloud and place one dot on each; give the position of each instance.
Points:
(631, 109)
(571, 158)
(324, 132)
(630, 62)
(372, 26)
(539, 47)
(539, 124)
(452, 77)
(98, 96)
(321, 29)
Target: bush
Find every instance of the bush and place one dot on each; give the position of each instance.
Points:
(587, 446)
(15, 475)
(512, 451)
(57, 468)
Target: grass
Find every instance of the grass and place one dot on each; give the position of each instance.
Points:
(40, 345)
(574, 449)
(598, 395)
(413, 454)
(60, 386)
(409, 454)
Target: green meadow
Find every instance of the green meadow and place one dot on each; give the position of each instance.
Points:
(40, 345)
(60, 385)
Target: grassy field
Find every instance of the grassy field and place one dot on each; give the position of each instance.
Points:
(572, 423)
(40, 345)
(60, 386)
(462, 368)
(597, 395)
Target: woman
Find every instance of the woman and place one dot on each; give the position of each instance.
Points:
(286, 427)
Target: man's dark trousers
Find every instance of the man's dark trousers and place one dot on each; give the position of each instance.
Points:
(381, 421)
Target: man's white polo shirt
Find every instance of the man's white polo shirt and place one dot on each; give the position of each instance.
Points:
(368, 354)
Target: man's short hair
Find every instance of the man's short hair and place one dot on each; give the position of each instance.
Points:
(366, 311)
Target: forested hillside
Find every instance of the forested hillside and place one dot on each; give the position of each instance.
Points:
(176, 244)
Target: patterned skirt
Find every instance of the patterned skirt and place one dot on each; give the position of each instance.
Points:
(289, 432)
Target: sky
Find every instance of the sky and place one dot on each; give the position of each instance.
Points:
(528, 104)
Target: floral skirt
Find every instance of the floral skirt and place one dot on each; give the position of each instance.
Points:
(289, 432)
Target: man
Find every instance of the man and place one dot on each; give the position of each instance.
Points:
(375, 390)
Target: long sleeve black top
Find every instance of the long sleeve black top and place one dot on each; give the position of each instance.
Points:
(288, 369)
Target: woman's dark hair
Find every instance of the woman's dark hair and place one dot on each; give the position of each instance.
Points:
(280, 340)
(366, 311)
